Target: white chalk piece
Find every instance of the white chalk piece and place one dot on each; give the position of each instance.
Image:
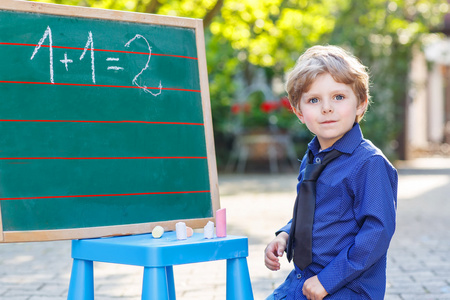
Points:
(157, 232)
(208, 230)
(181, 230)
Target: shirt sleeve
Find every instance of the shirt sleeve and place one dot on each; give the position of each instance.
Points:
(375, 193)
(286, 228)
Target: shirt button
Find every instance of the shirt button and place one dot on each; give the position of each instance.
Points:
(299, 276)
(318, 160)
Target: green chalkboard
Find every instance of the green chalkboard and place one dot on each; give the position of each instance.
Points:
(105, 123)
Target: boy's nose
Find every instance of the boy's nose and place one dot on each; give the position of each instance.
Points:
(326, 107)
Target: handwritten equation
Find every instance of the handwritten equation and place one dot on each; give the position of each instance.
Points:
(90, 51)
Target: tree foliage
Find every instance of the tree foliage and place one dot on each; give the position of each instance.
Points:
(244, 35)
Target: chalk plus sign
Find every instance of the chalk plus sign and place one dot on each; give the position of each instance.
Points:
(66, 61)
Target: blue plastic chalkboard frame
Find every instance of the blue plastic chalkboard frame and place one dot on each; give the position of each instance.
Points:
(62, 167)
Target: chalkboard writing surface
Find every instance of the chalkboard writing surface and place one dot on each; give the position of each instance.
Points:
(105, 123)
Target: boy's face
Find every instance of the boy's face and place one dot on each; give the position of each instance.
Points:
(329, 109)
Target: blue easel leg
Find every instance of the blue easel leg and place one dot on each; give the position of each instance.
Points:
(239, 286)
(171, 283)
(154, 285)
(81, 280)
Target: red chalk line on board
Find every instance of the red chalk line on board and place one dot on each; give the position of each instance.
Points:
(100, 50)
(105, 195)
(90, 121)
(100, 85)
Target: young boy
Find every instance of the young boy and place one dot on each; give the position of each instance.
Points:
(355, 194)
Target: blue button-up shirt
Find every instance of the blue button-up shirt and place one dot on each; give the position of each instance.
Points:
(354, 221)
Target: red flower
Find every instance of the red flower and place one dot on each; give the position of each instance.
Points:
(285, 103)
(235, 108)
(269, 106)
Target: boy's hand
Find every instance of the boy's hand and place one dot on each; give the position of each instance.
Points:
(313, 289)
(274, 250)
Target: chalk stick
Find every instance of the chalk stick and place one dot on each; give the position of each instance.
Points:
(208, 230)
(189, 232)
(157, 232)
(221, 222)
(181, 230)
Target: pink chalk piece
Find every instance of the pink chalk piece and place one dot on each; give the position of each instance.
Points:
(221, 223)
(189, 231)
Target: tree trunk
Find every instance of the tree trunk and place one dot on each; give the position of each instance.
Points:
(212, 13)
(152, 7)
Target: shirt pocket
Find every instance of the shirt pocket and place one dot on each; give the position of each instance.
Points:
(329, 203)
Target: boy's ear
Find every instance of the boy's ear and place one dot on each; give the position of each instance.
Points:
(361, 109)
(299, 114)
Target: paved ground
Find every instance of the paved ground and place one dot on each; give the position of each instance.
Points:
(257, 205)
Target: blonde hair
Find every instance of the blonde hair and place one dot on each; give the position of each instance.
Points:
(340, 64)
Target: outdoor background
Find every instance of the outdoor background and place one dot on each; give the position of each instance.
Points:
(251, 44)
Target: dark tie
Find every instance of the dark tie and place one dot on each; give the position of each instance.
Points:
(300, 236)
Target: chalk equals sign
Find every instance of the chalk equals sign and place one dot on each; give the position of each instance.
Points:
(115, 68)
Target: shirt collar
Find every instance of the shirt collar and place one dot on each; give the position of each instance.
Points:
(346, 144)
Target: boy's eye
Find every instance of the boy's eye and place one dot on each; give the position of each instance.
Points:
(313, 100)
(339, 97)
